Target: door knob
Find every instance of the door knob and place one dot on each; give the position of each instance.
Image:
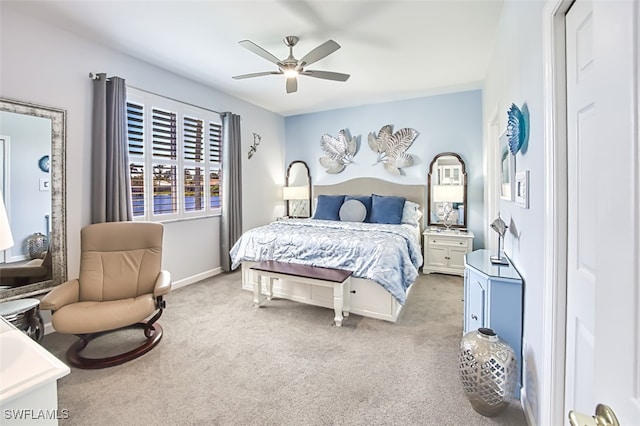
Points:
(474, 317)
(604, 417)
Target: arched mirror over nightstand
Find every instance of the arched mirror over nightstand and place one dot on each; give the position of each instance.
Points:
(447, 198)
(444, 249)
(297, 190)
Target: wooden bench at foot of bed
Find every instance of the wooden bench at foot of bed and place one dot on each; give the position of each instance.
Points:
(337, 279)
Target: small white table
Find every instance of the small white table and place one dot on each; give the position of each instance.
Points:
(337, 279)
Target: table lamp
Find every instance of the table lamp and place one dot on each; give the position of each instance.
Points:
(295, 194)
(500, 227)
(6, 238)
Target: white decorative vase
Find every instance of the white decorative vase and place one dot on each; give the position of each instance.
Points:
(488, 370)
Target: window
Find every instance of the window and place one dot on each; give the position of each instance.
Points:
(173, 148)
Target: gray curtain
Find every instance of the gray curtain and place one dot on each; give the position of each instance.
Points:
(111, 193)
(231, 223)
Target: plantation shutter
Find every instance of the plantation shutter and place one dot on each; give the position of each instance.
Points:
(135, 136)
(164, 150)
(193, 157)
(215, 145)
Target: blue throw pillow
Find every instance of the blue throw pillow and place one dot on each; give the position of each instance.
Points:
(328, 207)
(386, 209)
(364, 199)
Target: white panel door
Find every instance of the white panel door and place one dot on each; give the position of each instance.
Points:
(602, 345)
(582, 159)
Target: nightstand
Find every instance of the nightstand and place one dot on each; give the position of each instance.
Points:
(444, 251)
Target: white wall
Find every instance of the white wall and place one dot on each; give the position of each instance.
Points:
(47, 65)
(516, 76)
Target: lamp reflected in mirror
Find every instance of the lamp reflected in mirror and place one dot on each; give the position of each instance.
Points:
(447, 195)
(6, 238)
(297, 196)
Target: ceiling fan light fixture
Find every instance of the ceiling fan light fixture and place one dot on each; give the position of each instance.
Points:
(292, 67)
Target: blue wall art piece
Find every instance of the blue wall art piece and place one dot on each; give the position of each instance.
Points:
(43, 163)
(516, 128)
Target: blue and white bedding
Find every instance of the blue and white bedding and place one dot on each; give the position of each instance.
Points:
(387, 254)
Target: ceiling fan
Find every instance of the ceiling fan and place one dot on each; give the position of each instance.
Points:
(292, 67)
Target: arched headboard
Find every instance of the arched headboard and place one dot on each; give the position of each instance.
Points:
(368, 186)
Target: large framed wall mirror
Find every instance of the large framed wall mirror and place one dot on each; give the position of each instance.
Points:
(297, 190)
(447, 197)
(32, 182)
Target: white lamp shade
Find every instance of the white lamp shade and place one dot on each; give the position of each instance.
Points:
(448, 193)
(295, 193)
(6, 239)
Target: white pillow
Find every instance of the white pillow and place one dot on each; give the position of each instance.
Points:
(411, 213)
(352, 211)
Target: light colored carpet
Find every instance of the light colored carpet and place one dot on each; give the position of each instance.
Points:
(223, 362)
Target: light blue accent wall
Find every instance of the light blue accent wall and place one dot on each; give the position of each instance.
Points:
(446, 123)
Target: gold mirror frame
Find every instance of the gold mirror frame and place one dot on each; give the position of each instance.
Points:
(297, 179)
(431, 183)
(58, 238)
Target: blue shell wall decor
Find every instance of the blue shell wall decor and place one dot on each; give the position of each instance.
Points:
(43, 163)
(516, 128)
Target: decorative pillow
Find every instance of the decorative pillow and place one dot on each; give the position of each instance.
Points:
(352, 211)
(328, 207)
(386, 209)
(411, 213)
(364, 199)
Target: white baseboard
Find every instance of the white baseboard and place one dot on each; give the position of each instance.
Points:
(195, 278)
(526, 406)
(48, 328)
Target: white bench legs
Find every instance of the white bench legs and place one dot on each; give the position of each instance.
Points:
(341, 290)
(256, 280)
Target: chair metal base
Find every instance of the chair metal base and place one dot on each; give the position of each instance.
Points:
(153, 334)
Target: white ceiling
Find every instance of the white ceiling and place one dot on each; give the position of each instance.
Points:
(392, 49)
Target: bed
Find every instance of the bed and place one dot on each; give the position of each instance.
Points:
(385, 258)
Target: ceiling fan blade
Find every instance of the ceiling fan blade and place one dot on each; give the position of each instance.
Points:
(255, 74)
(292, 84)
(325, 49)
(249, 45)
(327, 75)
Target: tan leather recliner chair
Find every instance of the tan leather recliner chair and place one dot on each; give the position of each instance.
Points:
(23, 273)
(120, 285)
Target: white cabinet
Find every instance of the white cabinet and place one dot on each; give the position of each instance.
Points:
(29, 380)
(444, 251)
